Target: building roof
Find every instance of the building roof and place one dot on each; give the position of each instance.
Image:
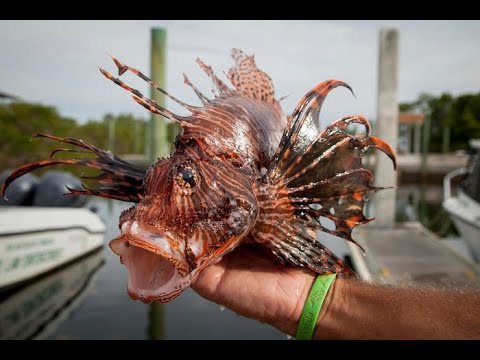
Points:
(410, 118)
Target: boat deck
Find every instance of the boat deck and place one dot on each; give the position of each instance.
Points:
(409, 252)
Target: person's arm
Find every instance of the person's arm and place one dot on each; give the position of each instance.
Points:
(358, 310)
(252, 285)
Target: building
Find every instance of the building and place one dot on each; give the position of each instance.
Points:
(410, 132)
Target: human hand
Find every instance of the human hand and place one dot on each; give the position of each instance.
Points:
(251, 284)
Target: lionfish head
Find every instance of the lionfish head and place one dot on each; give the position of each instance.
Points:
(191, 208)
(191, 214)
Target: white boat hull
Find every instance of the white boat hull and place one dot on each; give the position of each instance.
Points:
(465, 213)
(36, 240)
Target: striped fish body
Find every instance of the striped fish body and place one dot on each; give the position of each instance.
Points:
(241, 172)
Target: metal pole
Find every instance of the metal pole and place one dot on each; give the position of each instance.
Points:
(136, 136)
(387, 126)
(147, 142)
(111, 132)
(446, 139)
(425, 143)
(417, 132)
(446, 133)
(158, 125)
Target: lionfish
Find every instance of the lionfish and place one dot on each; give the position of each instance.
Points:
(241, 172)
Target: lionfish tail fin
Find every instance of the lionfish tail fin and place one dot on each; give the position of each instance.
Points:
(320, 183)
(118, 180)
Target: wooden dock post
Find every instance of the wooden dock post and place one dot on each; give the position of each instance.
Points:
(156, 144)
(387, 126)
(156, 136)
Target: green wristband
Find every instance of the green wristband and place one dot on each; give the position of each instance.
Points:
(312, 306)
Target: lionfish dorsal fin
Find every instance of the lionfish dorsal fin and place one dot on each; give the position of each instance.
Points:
(219, 85)
(249, 80)
(146, 102)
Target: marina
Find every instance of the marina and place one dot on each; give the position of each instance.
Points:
(60, 279)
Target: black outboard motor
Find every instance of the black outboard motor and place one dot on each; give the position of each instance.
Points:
(20, 192)
(51, 189)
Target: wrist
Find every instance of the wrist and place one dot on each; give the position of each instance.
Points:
(326, 327)
(288, 321)
(313, 306)
(333, 311)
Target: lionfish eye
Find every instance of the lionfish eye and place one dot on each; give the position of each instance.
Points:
(186, 177)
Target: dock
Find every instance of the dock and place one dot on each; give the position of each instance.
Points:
(409, 252)
(437, 166)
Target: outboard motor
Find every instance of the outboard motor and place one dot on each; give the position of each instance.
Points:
(51, 189)
(21, 191)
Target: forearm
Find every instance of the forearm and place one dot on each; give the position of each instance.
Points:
(358, 310)
(351, 310)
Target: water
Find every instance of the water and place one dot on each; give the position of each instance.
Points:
(423, 203)
(88, 299)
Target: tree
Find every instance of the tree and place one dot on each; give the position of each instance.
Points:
(457, 117)
(20, 120)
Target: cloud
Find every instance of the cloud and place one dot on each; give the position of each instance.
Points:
(55, 62)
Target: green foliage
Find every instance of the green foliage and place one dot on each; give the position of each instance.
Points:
(19, 121)
(461, 114)
(128, 130)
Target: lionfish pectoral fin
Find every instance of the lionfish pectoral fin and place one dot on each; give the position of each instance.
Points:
(318, 183)
(292, 240)
(118, 180)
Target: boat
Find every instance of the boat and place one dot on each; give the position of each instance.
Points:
(464, 206)
(37, 239)
(36, 309)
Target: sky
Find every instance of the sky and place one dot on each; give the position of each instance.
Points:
(55, 62)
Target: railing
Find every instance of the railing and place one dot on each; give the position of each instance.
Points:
(447, 188)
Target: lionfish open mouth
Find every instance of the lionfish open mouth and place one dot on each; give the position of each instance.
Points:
(157, 268)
